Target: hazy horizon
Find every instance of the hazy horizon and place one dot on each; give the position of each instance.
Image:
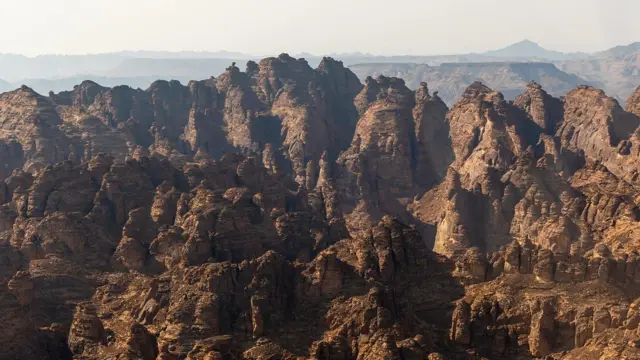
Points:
(354, 52)
(404, 27)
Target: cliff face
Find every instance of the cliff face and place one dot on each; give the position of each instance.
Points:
(289, 212)
(433, 146)
(400, 148)
(281, 101)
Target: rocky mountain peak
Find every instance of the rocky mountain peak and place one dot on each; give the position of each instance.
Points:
(545, 110)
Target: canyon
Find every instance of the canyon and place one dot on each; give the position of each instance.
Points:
(283, 211)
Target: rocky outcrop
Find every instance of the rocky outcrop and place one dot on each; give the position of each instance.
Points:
(545, 110)
(506, 317)
(597, 127)
(400, 148)
(87, 332)
(33, 135)
(280, 101)
(204, 310)
(542, 337)
(433, 145)
(384, 137)
(549, 267)
(487, 132)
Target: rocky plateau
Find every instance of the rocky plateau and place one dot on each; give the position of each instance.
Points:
(288, 212)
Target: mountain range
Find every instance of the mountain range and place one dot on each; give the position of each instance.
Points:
(615, 70)
(527, 49)
(294, 212)
(451, 79)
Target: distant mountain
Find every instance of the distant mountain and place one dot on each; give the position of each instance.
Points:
(619, 74)
(619, 51)
(617, 69)
(528, 49)
(170, 68)
(15, 67)
(451, 79)
(185, 54)
(44, 86)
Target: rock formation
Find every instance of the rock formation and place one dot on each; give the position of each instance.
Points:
(286, 212)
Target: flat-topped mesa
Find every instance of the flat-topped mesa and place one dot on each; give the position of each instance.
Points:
(545, 110)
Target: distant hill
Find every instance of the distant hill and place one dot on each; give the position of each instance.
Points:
(44, 86)
(619, 52)
(616, 70)
(451, 79)
(619, 75)
(16, 67)
(528, 49)
(185, 54)
(170, 68)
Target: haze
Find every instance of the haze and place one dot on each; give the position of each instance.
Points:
(260, 27)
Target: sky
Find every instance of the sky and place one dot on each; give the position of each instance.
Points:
(264, 27)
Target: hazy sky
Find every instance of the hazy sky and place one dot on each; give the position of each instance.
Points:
(264, 27)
